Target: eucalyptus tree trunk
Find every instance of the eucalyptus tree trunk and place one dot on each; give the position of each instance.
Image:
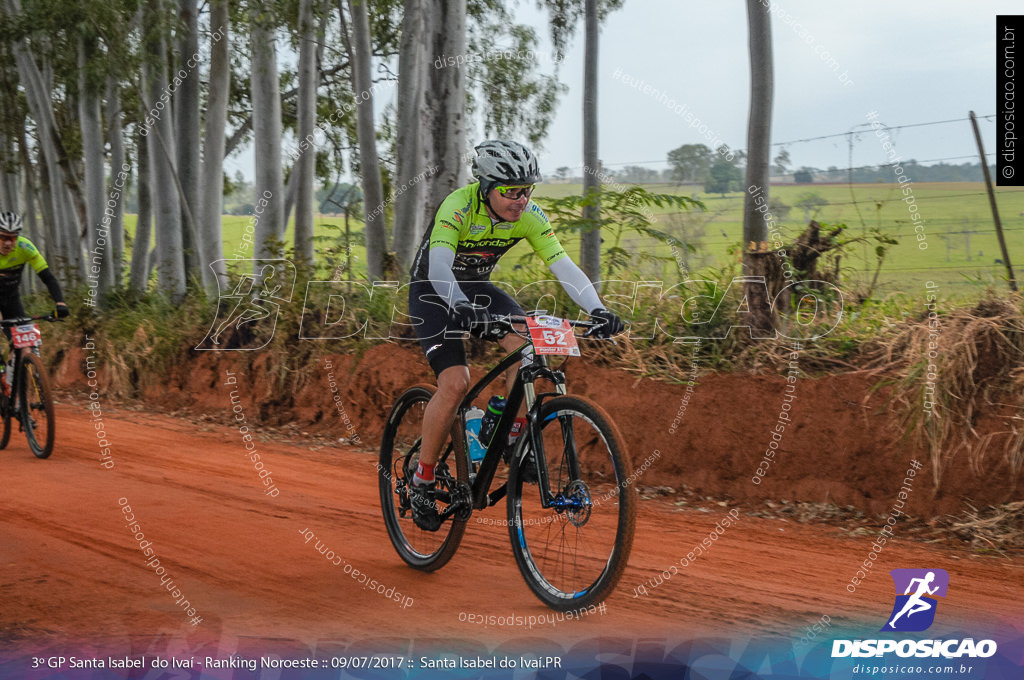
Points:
(186, 118)
(266, 106)
(50, 233)
(114, 126)
(97, 244)
(756, 261)
(10, 180)
(65, 249)
(445, 109)
(369, 165)
(73, 225)
(759, 122)
(138, 279)
(305, 165)
(29, 212)
(289, 190)
(43, 239)
(13, 120)
(409, 161)
(213, 149)
(160, 137)
(590, 241)
(36, 234)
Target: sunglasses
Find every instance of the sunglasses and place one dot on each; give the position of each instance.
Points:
(516, 192)
(10, 238)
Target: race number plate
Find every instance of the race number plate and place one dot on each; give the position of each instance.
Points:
(26, 336)
(551, 335)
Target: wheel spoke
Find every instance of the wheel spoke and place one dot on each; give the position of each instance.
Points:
(36, 406)
(573, 552)
(400, 449)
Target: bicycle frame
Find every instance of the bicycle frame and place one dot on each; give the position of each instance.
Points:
(522, 388)
(19, 362)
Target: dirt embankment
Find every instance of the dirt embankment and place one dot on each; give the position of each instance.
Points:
(840, 444)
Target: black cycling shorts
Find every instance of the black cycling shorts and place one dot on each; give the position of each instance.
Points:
(10, 308)
(435, 319)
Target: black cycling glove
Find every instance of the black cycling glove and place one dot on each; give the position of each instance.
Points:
(610, 323)
(471, 317)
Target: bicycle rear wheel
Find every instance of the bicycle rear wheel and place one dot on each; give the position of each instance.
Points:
(399, 456)
(573, 553)
(36, 410)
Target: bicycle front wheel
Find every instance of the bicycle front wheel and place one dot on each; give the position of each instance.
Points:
(399, 457)
(5, 417)
(573, 553)
(36, 409)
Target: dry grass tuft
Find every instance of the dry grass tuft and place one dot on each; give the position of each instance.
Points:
(947, 365)
(994, 528)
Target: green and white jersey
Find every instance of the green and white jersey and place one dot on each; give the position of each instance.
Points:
(12, 264)
(463, 226)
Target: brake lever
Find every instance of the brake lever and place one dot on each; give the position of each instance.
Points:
(590, 332)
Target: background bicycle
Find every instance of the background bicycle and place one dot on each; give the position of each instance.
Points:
(27, 396)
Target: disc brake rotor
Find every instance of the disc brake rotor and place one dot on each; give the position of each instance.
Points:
(579, 503)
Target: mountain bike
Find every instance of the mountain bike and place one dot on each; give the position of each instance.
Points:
(28, 397)
(571, 530)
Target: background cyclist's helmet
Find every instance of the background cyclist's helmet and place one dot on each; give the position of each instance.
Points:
(10, 222)
(501, 162)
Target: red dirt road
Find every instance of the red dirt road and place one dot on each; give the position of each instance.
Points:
(72, 573)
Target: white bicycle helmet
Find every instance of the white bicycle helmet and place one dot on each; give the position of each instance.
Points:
(10, 222)
(501, 162)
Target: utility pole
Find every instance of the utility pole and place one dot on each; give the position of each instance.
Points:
(992, 202)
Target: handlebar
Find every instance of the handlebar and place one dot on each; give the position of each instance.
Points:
(25, 319)
(506, 323)
(522, 319)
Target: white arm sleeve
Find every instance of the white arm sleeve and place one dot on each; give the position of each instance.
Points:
(439, 271)
(576, 284)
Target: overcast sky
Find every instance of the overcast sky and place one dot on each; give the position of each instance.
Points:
(911, 61)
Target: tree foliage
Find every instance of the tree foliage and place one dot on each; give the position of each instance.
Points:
(515, 100)
(804, 175)
(623, 213)
(566, 15)
(690, 162)
(124, 59)
(723, 177)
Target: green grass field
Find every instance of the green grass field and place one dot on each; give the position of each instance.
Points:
(962, 244)
(957, 222)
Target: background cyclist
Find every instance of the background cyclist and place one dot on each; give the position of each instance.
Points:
(15, 252)
(451, 289)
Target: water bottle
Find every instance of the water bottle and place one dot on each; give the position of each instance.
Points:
(495, 407)
(473, 421)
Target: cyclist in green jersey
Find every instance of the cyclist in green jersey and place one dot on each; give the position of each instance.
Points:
(451, 290)
(15, 252)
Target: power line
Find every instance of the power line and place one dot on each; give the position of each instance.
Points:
(932, 232)
(859, 167)
(943, 234)
(869, 202)
(967, 266)
(845, 134)
(886, 127)
(927, 160)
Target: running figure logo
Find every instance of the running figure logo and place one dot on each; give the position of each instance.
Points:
(252, 303)
(914, 610)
